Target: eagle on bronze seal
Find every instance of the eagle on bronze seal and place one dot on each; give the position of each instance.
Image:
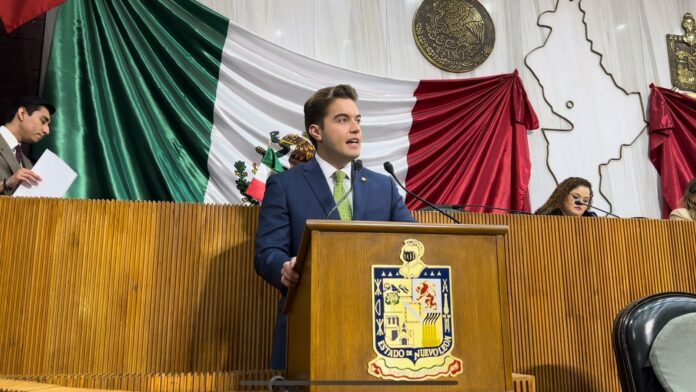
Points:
(454, 35)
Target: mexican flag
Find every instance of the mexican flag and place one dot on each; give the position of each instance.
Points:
(167, 100)
(269, 164)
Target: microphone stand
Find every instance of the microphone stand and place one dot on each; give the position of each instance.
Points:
(463, 206)
(390, 169)
(580, 203)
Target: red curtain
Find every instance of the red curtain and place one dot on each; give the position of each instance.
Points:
(672, 142)
(469, 143)
(15, 13)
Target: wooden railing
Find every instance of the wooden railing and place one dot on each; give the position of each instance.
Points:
(229, 381)
(569, 277)
(105, 287)
(93, 287)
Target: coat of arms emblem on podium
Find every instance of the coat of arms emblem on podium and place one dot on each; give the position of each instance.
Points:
(413, 328)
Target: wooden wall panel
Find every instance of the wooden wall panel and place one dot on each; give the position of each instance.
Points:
(105, 287)
(155, 382)
(114, 287)
(178, 382)
(568, 278)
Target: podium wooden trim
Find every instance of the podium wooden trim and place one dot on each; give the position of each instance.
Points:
(330, 316)
(378, 227)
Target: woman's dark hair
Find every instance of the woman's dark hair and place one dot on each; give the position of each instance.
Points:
(559, 194)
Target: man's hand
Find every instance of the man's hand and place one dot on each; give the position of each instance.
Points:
(288, 276)
(23, 175)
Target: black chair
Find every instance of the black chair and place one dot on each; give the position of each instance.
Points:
(635, 328)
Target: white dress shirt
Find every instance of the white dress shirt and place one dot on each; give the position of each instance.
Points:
(10, 139)
(329, 170)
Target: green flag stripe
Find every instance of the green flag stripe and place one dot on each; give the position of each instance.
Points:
(134, 83)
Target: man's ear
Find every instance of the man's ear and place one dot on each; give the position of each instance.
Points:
(21, 113)
(315, 131)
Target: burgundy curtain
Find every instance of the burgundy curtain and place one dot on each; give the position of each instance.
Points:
(672, 142)
(469, 143)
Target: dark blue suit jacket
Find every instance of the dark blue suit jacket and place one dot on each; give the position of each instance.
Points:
(302, 193)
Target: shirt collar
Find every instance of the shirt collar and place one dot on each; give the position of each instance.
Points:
(328, 168)
(10, 139)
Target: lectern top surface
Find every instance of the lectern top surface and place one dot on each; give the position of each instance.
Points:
(402, 227)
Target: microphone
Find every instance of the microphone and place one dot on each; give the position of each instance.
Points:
(580, 203)
(357, 166)
(463, 206)
(390, 169)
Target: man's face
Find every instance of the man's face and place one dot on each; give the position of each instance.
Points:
(33, 127)
(340, 140)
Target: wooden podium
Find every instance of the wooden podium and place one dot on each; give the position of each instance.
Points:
(373, 306)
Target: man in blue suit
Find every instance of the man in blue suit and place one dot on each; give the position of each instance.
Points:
(310, 191)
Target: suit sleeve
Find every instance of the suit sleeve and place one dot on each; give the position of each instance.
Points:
(399, 212)
(273, 235)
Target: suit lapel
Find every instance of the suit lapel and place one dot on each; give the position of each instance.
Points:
(8, 156)
(317, 182)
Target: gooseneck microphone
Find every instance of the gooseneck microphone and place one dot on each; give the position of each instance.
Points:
(357, 166)
(580, 203)
(463, 206)
(390, 169)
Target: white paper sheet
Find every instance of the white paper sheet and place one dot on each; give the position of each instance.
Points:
(56, 176)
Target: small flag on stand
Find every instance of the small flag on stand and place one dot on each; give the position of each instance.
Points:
(269, 164)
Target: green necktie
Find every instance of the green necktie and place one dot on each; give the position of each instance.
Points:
(344, 210)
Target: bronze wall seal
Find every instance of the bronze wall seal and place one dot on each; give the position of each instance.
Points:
(454, 35)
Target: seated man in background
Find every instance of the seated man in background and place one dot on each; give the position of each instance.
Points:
(27, 122)
(572, 197)
(311, 190)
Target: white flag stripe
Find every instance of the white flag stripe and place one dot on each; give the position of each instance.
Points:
(262, 88)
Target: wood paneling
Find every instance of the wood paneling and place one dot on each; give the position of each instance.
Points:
(105, 287)
(158, 382)
(181, 382)
(337, 335)
(110, 287)
(568, 278)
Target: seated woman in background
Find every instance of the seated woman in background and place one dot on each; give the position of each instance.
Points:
(688, 210)
(563, 199)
